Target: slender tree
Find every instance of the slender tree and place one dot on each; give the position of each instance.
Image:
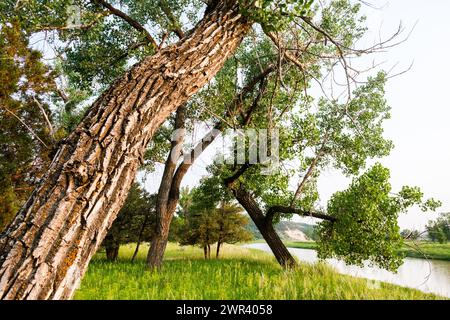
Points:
(359, 223)
(231, 225)
(134, 223)
(274, 81)
(212, 219)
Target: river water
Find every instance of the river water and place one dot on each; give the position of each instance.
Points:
(432, 276)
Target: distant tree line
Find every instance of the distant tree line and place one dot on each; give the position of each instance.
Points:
(436, 230)
(439, 229)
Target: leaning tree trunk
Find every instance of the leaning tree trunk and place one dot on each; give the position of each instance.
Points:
(46, 249)
(265, 227)
(139, 240)
(164, 214)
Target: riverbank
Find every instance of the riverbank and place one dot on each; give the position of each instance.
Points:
(421, 250)
(240, 274)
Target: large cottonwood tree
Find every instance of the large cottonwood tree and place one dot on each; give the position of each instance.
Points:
(46, 249)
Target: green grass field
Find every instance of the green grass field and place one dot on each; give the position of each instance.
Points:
(240, 274)
(431, 250)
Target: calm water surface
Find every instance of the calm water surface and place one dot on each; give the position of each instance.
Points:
(425, 275)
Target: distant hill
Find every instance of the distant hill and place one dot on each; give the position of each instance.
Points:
(288, 230)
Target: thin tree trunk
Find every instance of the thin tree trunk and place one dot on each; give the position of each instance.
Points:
(46, 249)
(164, 215)
(112, 253)
(205, 251)
(136, 250)
(160, 238)
(141, 232)
(218, 249)
(159, 242)
(209, 251)
(111, 248)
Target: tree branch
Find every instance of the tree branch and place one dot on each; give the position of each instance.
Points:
(229, 181)
(261, 91)
(282, 209)
(286, 54)
(171, 163)
(26, 126)
(175, 24)
(47, 119)
(311, 169)
(136, 25)
(219, 126)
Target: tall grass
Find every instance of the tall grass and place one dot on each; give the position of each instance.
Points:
(240, 274)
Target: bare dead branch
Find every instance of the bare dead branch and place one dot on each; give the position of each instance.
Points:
(47, 119)
(26, 126)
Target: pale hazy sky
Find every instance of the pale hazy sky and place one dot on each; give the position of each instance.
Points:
(419, 99)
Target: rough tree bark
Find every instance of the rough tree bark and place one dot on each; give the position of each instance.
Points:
(46, 249)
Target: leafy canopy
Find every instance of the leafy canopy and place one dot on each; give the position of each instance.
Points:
(275, 15)
(439, 230)
(366, 225)
(136, 218)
